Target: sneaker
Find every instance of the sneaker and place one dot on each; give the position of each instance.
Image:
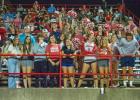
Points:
(18, 86)
(62, 87)
(85, 87)
(125, 83)
(102, 91)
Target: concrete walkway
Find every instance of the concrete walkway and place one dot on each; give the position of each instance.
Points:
(69, 94)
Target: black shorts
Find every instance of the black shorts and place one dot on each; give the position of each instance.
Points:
(89, 63)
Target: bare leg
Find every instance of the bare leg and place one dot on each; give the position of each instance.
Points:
(65, 76)
(71, 70)
(95, 77)
(84, 70)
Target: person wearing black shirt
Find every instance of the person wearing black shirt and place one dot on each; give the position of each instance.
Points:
(68, 62)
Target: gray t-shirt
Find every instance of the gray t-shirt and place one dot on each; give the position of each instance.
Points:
(40, 49)
(128, 47)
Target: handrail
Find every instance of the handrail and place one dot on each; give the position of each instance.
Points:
(60, 73)
(2, 54)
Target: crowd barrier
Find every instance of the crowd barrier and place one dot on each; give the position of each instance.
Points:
(111, 74)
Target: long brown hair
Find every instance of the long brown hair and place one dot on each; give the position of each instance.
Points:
(25, 44)
(14, 44)
(71, 45)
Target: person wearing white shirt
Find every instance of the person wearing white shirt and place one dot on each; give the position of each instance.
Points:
(13, 63)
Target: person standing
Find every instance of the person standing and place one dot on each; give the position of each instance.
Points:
(53, 51)
(68, 62)
(51, 9)
(103, 62)
(128, 47)
(40, 62)
(13, 63)
(27, 61)
(89, 52)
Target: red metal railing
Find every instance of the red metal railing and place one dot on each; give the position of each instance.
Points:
(61, 73)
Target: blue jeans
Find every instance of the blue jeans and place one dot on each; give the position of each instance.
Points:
(13, 67)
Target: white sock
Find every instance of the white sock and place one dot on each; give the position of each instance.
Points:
(125, 83)
(17, 84)
(102, 90)
(131, 83)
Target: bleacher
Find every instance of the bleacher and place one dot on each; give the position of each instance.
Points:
(69, 6)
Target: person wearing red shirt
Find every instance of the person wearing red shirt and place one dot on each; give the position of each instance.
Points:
(103, 62)
(108, 17)
(89, 60)
(2, 35)
(53, 51)
(2, 40)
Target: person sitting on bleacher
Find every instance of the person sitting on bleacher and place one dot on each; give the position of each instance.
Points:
(51, 9)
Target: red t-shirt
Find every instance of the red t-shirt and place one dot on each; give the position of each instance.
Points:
(53, 51)
(103, 53)
(48, 28)
(2, 33)
(108, 17)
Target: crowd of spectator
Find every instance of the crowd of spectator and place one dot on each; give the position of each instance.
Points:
(93, 33)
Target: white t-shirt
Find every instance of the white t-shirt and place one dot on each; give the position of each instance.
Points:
(14, 50)
(89, 48)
